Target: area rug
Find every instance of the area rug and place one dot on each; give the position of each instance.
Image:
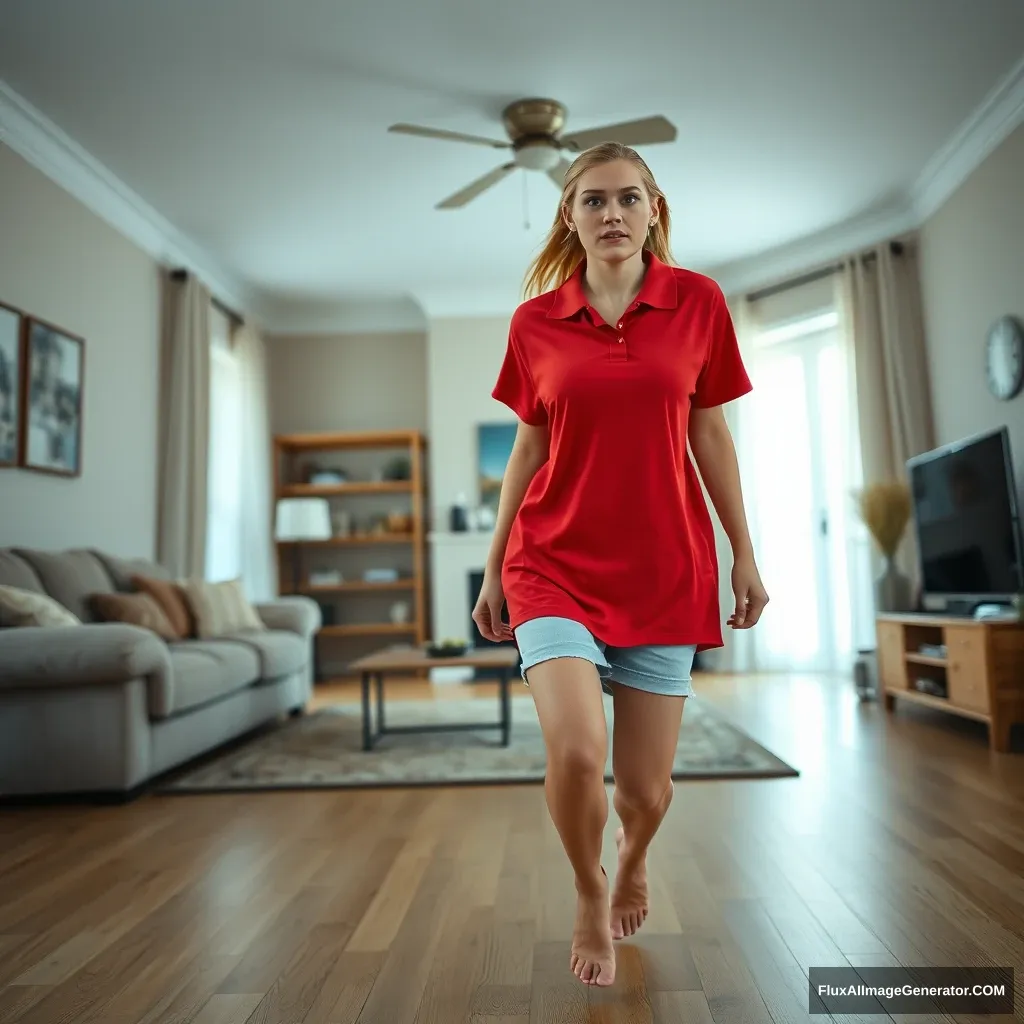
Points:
(324, 750)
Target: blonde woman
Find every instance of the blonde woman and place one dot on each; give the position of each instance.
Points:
(603, 545)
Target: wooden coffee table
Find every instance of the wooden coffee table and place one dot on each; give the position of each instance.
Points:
(404, 658)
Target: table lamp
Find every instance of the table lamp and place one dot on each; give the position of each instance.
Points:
(301, 519)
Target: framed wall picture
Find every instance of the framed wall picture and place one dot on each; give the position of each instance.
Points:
(494, 446)
(52, 399)
(12, 363)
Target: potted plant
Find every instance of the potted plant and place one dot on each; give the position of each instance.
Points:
(885, 510)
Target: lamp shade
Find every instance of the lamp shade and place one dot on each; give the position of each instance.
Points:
(303, 519)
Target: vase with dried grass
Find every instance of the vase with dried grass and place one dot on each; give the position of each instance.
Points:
(885, 510)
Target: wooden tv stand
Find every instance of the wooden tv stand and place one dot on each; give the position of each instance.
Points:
(981, 672)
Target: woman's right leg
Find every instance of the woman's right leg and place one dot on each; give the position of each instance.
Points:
(568, 696)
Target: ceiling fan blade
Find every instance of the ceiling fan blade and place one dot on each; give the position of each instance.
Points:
(441, 133)
(645, 132)
(475, 188)
(557, 173)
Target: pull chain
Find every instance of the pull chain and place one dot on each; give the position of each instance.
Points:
(526, 205)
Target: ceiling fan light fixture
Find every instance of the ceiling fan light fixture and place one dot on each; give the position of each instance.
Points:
(537, 155)
(534, 130)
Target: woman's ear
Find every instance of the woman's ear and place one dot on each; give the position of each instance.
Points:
(567, 218)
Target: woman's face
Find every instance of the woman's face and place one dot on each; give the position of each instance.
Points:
(611, 211)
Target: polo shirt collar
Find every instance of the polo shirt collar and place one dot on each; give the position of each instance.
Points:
(659, 289)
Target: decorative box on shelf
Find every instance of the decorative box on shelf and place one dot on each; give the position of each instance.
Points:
(326, 578)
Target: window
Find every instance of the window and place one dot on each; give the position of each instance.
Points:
(803, 467)
(224, 483)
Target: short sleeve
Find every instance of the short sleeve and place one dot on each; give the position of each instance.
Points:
(515, 387)
(723, 377)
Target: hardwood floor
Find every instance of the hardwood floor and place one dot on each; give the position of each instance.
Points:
(901, 841)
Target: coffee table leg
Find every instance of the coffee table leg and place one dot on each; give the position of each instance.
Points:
(380, 704)
(506, 709)
(367, 738)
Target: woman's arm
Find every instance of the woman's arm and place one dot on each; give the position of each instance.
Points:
(715, 455)
(529, 453)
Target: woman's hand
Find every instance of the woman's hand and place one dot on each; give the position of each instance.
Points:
(487, 613)
(750, 593)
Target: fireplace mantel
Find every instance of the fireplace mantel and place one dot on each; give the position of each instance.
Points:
(453, 556)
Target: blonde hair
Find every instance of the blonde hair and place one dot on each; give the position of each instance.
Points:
(563, 251)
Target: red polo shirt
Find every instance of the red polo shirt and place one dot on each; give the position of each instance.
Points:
(614, 531)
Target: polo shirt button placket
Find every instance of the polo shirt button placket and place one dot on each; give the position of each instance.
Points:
(618, 349)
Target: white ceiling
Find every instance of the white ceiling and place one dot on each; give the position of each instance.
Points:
(258, 128)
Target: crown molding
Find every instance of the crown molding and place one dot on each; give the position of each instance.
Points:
(989, 125)
(998, 115)
(28, 132)
(812, 251)
(292, 318)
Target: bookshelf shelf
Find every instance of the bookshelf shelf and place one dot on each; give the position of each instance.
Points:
(339, 490)
(368, 629)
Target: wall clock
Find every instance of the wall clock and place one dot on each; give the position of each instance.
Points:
(1004, 357)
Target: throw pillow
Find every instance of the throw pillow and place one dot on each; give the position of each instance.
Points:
(141, 610)
(27, 608)
(220, 608)
(172, 600)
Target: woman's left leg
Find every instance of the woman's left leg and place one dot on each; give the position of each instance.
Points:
(645, 737)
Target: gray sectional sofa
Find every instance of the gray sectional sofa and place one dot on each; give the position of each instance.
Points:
(104, 707)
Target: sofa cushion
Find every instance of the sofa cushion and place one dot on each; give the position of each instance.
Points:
(205, 671)
(280, 653)
(28, 608)
(220, 609)
(70, 577)
(139, 610)
(171, 599)
(16, 572)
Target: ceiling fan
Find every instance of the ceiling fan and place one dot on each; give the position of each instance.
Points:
(534, 129)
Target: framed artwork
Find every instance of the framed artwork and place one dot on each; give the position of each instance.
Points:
(494, 446)
(52, 399)
(12, 362)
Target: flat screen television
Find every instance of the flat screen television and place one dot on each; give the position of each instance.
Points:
(964, 502)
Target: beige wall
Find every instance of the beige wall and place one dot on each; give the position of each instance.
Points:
(347, 382)
(972, 272)
(464, 359)
(60, 262)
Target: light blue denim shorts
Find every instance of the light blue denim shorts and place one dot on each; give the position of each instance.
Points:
(655, 668)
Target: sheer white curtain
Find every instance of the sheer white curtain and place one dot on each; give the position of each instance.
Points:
(239, 542)
(258, 563)
(796, 438)
(224, 482)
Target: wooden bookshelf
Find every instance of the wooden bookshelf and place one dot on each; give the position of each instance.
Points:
(356, 609)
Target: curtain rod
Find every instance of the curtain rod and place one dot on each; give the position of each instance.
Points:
(237, 319)
(896, 248)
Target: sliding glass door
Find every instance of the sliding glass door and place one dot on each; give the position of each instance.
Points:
(802, 471)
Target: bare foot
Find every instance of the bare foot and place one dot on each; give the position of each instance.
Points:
(629, 901)
(592, 959)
